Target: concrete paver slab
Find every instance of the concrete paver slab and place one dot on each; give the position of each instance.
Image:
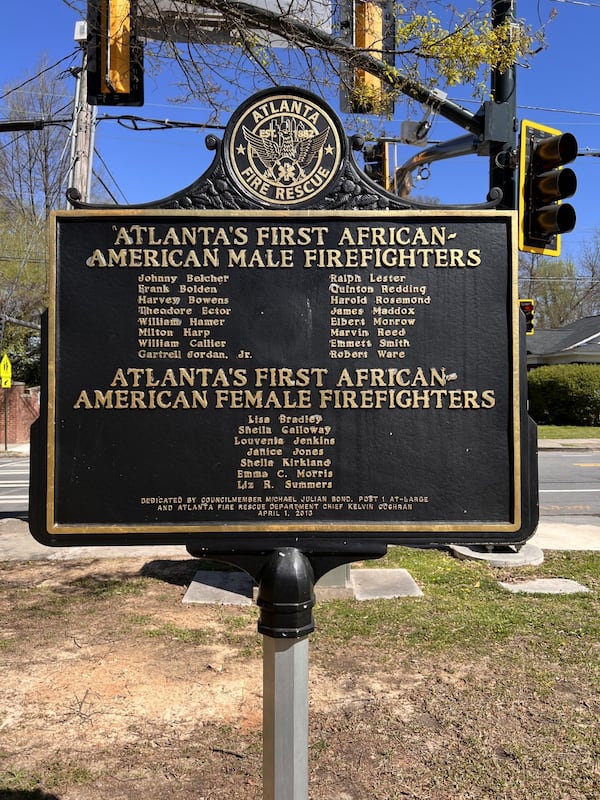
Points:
(545, 586)
(220, 588)
(377, 584)
(528, 555)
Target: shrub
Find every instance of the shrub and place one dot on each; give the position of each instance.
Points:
(565, 395)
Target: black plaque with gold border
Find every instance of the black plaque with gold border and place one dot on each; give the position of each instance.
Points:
(239, 379)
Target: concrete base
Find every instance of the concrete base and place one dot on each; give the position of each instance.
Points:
(528, 556)
(237, 588)
(220, 588)
(378, 584)
(545, 586)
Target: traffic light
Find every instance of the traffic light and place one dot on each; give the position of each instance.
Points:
(376, 162)
(115, 68)
(528, 308)
(543, 183)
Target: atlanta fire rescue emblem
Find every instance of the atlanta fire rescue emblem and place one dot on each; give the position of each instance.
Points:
(284, 149)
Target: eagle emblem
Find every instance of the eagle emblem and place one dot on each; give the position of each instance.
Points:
(286, 149)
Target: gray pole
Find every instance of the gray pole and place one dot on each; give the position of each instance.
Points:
(285, 598)
(6, 419)
(501, 117)
(285, 719)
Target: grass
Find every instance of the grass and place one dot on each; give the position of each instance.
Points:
(18, 780)
(512, 680)
(568, 432)
(465, 609)
(21, 782)
(110, 587)
(176, 633)
(467, 692)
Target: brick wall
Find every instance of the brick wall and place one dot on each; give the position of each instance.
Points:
(23, 407)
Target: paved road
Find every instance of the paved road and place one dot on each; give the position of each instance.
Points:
(570, 485)
(570, 498)
(14, 487)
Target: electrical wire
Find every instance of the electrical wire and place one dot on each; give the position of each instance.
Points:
(18, 258)
(562, 111)
(39, 74)
(132, 122)
(106, 189)
(111, 176)
(578, 3)
(464, 101)
(542, 279)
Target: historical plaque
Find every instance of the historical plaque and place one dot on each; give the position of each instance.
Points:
(271, 376)
(276, 371)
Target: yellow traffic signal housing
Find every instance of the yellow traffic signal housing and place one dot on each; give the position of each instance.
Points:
(115, 56)
(543, 184)
(528, 308)
(368, 36)
(372, 34)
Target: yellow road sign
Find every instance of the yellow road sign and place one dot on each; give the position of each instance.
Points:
(6, 372)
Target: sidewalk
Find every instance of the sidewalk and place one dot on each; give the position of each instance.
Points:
(576, 445)
(14, 450)
(16, 543)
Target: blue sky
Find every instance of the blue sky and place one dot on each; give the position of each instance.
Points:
(559, 90)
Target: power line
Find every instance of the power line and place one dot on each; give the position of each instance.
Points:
(587, 281)
(561, 110)
(39, 74)
(464, 101)
(20, 256)
(107, 190)
(578, 3)
(111, 176)
(135, 123)
(129, 121)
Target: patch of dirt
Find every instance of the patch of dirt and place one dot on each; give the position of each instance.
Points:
(112, 688)
(104, 676)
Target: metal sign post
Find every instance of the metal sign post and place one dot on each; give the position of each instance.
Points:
(6, 379)
(285, 599)
(285, 718)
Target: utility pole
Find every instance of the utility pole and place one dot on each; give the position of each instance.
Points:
(84, 126)
(501, 117)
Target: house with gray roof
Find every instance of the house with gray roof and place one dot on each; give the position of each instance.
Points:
(576, 343)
